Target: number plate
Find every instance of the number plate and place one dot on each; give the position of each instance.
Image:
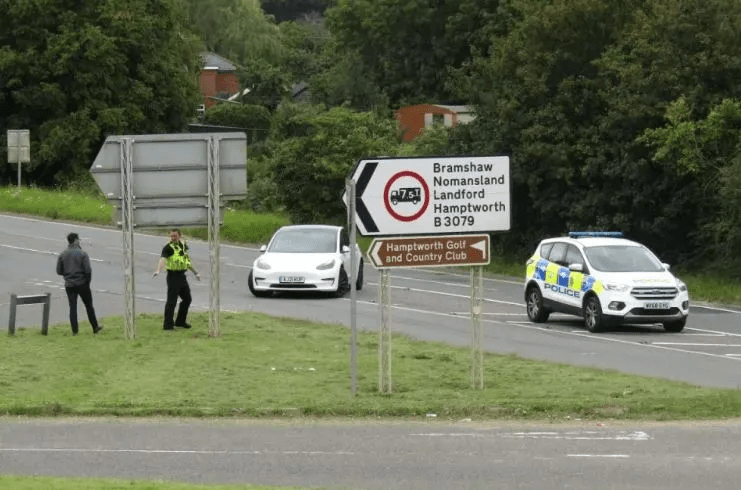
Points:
(656, 306)
(291, 279)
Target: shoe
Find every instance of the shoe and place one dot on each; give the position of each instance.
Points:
(183, 325)
(100, 327)
(168, 328)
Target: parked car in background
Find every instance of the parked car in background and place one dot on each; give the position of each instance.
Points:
(306, 258)
(605, 279)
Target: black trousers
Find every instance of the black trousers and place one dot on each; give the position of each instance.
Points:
(177, 287)
(87, 299)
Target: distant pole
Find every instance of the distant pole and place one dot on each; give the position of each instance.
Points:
(19, 148)
(127, 227)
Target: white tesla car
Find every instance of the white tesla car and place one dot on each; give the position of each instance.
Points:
(306, 258)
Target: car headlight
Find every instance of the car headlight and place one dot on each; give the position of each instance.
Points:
(613, 286)
(262, 264)
(681, 285)
(326, 265)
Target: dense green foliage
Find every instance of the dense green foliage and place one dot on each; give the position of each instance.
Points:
(616, 115)
(74, 72)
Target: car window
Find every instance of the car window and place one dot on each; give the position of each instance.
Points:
(305, 240)
(574, 256)
(623, 258)
(344, 239)
(557, 253)
(545, 249)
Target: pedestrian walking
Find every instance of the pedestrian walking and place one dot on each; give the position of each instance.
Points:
(175, 259)
(74, 264)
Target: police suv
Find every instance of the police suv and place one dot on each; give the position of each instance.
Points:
(606, 279)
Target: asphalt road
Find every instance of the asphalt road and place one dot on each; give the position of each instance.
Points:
(427, 304)
(370, 456)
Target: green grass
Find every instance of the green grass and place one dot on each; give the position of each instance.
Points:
(48, 483)
(265, 367)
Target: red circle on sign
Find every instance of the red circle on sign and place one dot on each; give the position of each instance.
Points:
(387, 189)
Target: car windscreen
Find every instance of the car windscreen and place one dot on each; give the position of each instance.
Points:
(304, 241)
(622, 258)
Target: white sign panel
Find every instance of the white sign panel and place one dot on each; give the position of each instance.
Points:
(432, 195)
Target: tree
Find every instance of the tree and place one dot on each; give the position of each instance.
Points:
(408, 46)
(313, 151)
(75, 72)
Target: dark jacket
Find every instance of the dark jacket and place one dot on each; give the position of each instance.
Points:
(74, 265)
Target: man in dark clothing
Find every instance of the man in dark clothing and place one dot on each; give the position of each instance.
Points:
(74, 265)
(175, 258)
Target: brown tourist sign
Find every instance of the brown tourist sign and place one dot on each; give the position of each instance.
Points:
(430, 251)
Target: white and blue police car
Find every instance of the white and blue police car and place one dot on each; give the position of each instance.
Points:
(605, 279)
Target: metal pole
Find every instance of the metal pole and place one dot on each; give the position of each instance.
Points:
(214, 222)
(127, 227)
(384, 334)
(477, 353)
(350, 189)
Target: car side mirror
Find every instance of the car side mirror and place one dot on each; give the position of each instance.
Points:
(576, 267)
(666, 266)
(345, 249)
(263, 248)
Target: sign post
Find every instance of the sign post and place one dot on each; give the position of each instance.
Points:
(441, 200)
(172, 180)
(19, 148)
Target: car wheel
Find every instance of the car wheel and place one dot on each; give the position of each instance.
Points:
(359, 281)
(343, 284)
(535, 310)
(593, 315)
(676, 326)
(256, 293)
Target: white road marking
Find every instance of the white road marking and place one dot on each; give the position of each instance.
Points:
(598, 455)
(697, 344)
(167, 451)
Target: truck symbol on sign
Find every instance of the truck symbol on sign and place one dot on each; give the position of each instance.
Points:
(406, 194)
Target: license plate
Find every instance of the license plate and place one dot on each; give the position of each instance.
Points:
(291, 279)
(656, 306)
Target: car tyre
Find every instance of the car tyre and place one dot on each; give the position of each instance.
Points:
(343, 283)
(255, 292)
(593, 315)
(676, 326)
(535, 310)
(359, 281)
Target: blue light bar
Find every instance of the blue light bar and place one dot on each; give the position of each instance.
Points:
(611, 234)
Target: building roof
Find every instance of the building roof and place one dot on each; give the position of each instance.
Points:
(214, 61)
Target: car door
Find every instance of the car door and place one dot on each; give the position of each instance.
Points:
(555, 260)
(571, 279)
(345, 251)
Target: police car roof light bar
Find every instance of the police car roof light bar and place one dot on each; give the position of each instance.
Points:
(611, 234)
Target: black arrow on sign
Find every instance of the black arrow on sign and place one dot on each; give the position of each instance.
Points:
(360, 208)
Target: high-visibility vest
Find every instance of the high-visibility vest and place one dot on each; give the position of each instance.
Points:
(179, 260)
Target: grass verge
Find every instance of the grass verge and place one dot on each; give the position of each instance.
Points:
(261, 366)
(49, 483)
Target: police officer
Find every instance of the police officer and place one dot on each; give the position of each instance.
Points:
(175, 258)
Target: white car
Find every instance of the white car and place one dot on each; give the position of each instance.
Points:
(306, 258)
(605, 279)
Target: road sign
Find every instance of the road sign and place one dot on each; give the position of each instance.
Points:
(19, 145)
(429, 251)
(170, 182)
(432, 195)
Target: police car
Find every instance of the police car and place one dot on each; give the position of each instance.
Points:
(606, 279)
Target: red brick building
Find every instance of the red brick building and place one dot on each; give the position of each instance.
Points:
(414, 119)
(218, 79)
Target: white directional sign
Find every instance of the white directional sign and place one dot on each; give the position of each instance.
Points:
(432, 195)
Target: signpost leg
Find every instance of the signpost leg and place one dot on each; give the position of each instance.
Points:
(477, 355)
(350, 189)
(384, 337)
(214, 222)
(127, 226)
